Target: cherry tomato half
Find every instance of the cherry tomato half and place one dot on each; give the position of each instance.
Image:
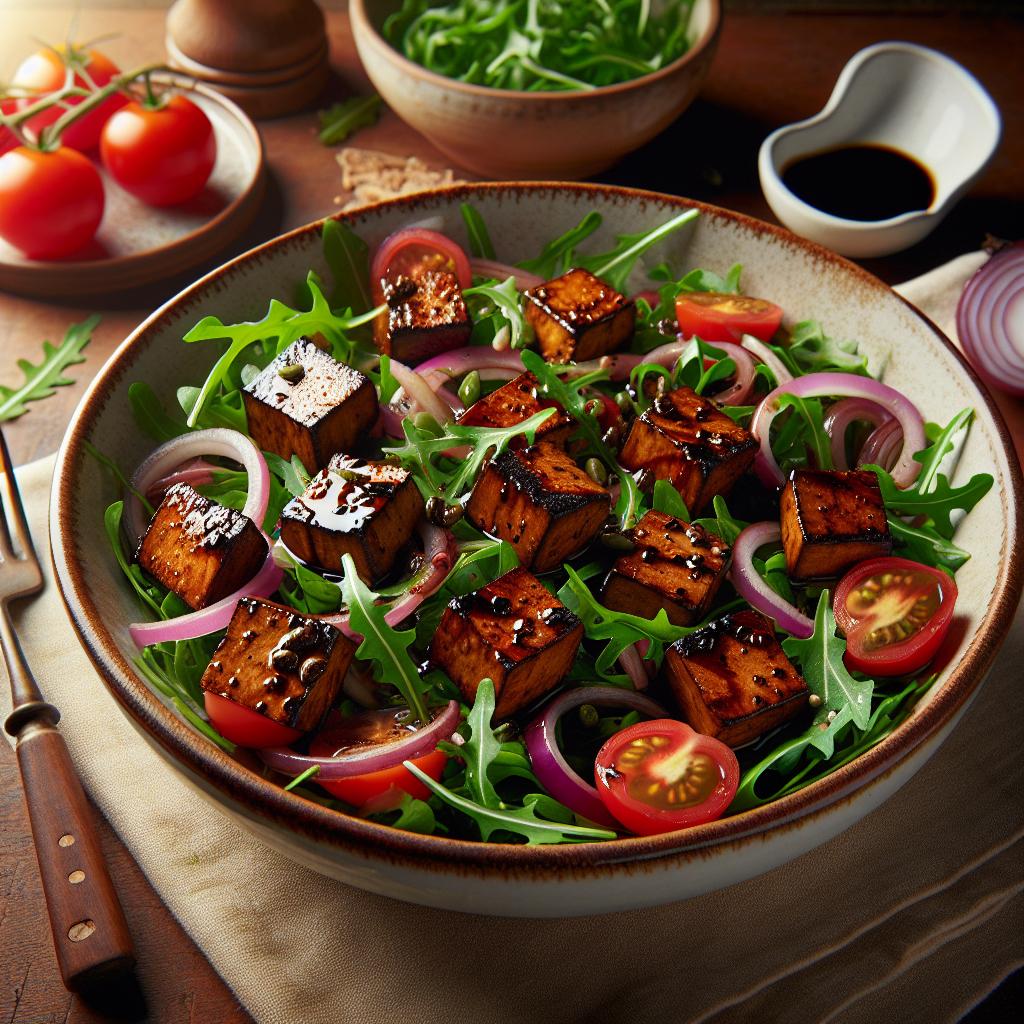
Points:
(341, 734)
(414, 250)
(895, 614)
(163, 154)
(45, 72)
(713, 316)
(659, 776)
(50, 203)
(245, 727)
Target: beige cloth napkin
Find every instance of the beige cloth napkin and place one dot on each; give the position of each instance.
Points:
(913, 914)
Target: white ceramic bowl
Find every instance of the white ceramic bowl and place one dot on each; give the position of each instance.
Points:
(549, 880)
(899, 95)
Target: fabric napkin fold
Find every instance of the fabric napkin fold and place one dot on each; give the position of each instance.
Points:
(915, 913)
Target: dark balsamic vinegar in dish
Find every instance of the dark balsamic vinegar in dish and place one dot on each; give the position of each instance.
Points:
(860, 182)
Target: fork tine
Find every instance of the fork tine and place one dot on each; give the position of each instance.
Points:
(15, 507)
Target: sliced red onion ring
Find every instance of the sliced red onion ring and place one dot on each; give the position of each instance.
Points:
(420, 392)
(459, 361)
(550, 765)
(839, 418)
(990, 319)
(368, 759)
(503, 271)
(768, 357)
(632, 663)
(883, 445)
(210, 619)
(391, 422)
(739, 391)
(751, 586)
(839, 385)
(194, 473)
(219, 441)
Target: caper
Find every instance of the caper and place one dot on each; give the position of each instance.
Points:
(624, 402)
(292, 372)
(350, 475)
(469, 389)
(283, 659)
(589, 717)
(595, 469)
(616, 541)
(424, 421)
(594, 406)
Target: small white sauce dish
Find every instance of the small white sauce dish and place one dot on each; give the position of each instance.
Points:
(898, 95)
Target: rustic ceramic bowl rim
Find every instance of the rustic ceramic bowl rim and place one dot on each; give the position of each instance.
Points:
(266, 801)
(360, 17)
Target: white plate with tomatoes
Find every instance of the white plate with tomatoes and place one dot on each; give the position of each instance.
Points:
(145, 231)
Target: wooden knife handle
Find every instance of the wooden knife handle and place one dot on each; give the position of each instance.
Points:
(90, 933)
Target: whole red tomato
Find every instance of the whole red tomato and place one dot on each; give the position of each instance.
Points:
(46, 71)
(163, 153)
(50, 203)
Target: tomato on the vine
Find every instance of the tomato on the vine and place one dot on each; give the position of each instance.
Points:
(344, 733)
(246, 727)
(162, 151)
(50, 203)
(714, 316)
(895, 614)
(661, 775)
(46, 72)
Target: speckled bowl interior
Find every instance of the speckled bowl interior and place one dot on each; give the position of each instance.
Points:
(808, 282)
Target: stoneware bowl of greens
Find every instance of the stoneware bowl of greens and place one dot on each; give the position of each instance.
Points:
(514, 89)
(507, 819)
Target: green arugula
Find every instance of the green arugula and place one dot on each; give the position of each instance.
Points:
(813, 351)
(813, 436)
(42, 378)
(150, 415)
(481, 747)
(629, 507)
(348, 258)
(411, 815)
(507, 303)
(925, 545)
(480, 243)
(843, 698)
(342, 119)
(722, 524)
(690, 370)
(667, 500)
(385, 646)
(559, 254)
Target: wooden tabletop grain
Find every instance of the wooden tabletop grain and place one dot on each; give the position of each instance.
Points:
(770, 70)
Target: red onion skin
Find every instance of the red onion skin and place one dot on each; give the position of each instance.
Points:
(753, 589)
(768, 357)
(458, 361)
(550, 766)
(633, 665)
(882, 445)
(373, 759)
(839, 418)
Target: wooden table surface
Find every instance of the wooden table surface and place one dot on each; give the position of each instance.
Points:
(770, 70)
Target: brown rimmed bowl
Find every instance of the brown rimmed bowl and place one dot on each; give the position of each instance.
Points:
(546, 881)
(507, 134)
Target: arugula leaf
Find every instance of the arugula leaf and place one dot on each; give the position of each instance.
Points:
(292, 473)
(480, 243)
(348, 258)
(508, 300)
(814, 351)
(690, 369)
(813, 434)
(925, 545)
(522, 821)
(386, 647)
(630, 504)
(310, 593)
(339, 121)
(558, 255)
(843, 698)
(708, 281)
(149, 413)
(722, 524)
(149, 594)
(41, 378)
(411, 815)
(666, 499)
(481, 747)
(615, 266)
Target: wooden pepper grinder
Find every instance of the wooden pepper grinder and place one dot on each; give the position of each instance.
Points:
(269, 56)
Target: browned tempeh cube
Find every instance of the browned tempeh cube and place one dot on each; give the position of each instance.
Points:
(830, 520)
(689, 441)
(513, 632)
(368, 510)
(676, 566)
(284, 665)
(577, 316)
(199, 549)
(308, 404)
(517, 401)
(732, 680)
(541, 502)
(426, 315)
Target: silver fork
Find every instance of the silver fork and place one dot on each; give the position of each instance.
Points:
(90, 933)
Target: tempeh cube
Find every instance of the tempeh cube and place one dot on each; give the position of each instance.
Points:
(308, 404)
(513, 632)
(199, 549)
(515, 402)
(577, 316)
(677, 566)
(689, 441)
(541, 502)
(732, 680)
(368, 510)
(284, 665)
(830, 520)
(426, 315)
